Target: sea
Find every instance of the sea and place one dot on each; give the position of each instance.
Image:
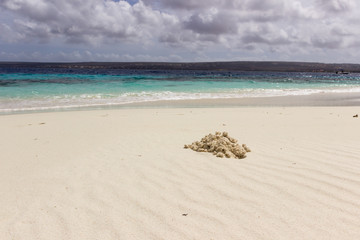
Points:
(51, 89)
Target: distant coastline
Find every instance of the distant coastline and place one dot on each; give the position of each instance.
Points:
(204, 66)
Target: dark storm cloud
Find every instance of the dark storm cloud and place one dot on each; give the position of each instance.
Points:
(337, 5)
(268, 35)
(214, 23)
(258, 38)
(291, 22)
(261, 5)
(342, 31)
(327, 43)
(187, 5)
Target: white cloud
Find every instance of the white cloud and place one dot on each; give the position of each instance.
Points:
(90, 21)
(184, 28)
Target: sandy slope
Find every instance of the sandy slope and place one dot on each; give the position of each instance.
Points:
(123, 174)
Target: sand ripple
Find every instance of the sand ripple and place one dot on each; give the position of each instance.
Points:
(137, 182)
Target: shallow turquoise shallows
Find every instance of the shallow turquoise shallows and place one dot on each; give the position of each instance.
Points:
(39, 90)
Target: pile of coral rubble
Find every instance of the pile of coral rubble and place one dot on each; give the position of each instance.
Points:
(221, 145)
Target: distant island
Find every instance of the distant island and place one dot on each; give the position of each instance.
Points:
(205, 66)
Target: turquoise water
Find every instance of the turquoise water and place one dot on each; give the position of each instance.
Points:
(47, 90)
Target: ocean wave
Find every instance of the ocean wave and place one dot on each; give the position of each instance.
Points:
(68, 101)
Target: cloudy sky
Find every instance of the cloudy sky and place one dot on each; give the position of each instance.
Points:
(180, 30)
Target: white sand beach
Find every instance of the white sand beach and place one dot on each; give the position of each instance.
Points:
(124, 174)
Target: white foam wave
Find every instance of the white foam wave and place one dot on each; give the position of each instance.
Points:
(97, 100)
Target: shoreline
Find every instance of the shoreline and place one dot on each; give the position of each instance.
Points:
(315, 100)
(311, 100)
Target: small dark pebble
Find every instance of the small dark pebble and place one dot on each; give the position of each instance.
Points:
(185, 214)
(355, 116)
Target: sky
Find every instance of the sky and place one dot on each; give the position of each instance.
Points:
(180, 30)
